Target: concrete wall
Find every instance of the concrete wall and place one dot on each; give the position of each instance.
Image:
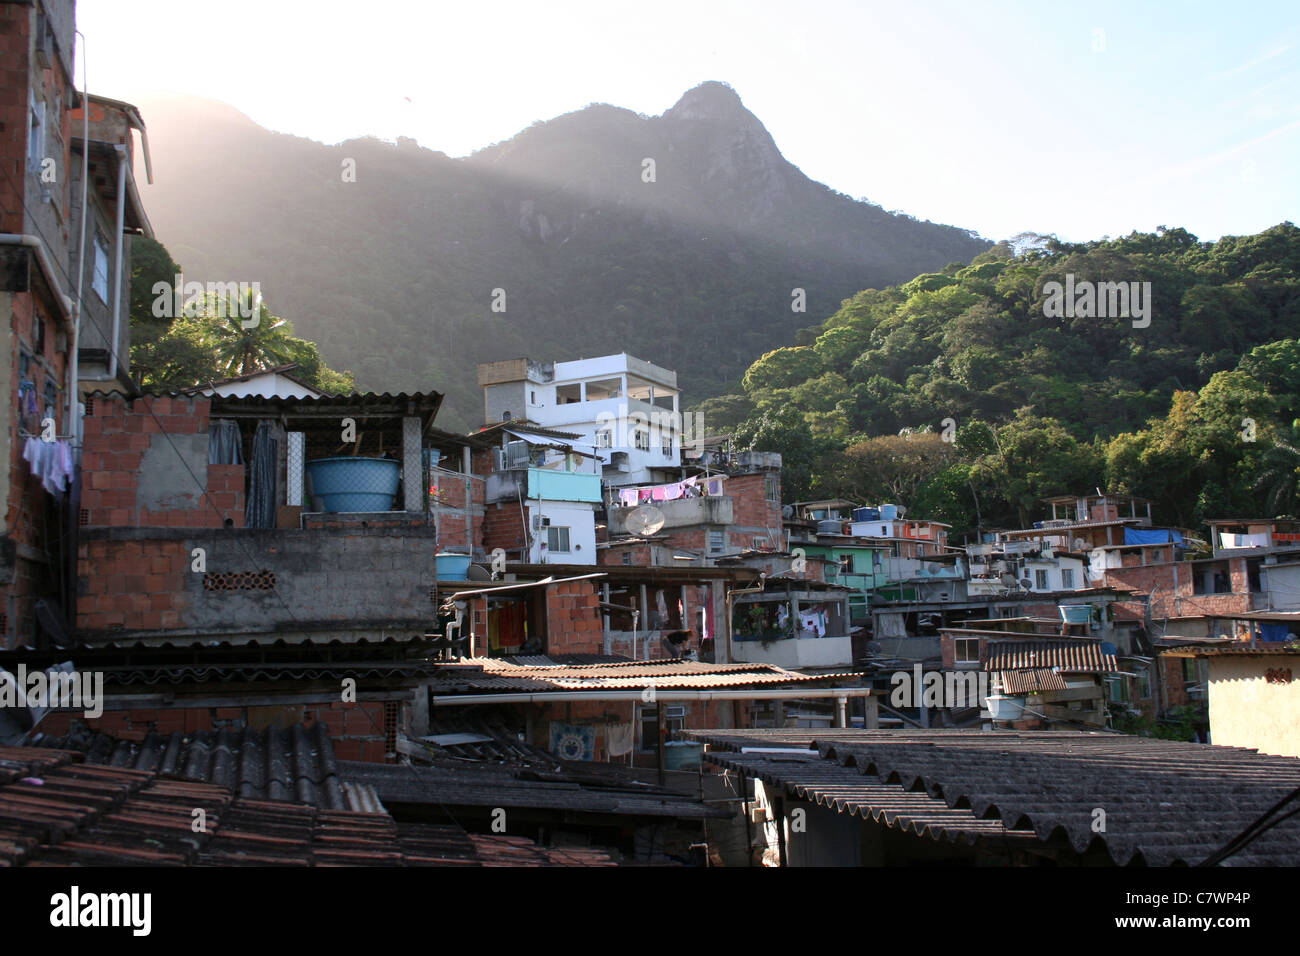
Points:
(320, 582)
(1248, 709)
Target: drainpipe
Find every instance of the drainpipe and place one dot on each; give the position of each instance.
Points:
(120, 228)
(73, 429)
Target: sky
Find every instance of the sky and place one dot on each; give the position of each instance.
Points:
(1081, 120)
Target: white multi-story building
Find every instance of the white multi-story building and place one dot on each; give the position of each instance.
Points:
(627, 408)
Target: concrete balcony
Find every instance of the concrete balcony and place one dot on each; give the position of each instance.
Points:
(546, 484)
(796, 653)
(682, 513)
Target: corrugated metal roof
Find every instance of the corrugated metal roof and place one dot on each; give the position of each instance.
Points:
(1030, 681)
(56, 811)
(1071, 657)
(294, 764)
(1239, 650)
(497, 674)
(846, 790)
(1166, 802)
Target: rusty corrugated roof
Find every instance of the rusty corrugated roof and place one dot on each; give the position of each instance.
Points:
(1070, 657)
(1030, 681)
(495, 674)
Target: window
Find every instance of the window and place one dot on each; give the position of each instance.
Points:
(846, 564)
(641, 438)
(532, 397)
(717, 542)
(627, 557)
(1040, 580)
(1067, 578)
(557, 539)
(1144, 684)
(100, 280)
(966, 650)
(605, 438)
(674, 720)
(772, 487)
(760, 544)
(666, 444)
(36, 134)
(38, 333)
(1117, 688)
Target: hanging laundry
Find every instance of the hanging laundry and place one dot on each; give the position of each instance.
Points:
(619, 739)
(628, 497)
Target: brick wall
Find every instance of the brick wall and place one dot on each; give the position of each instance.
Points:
(503, 527)
(700, 715)
(359, 731)
(750, 506)
(30, 522)
(1172, 600)
(575, 625)
(456, 494)
(120, 433)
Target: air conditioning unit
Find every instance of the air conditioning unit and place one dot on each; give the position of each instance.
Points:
(498, 459)
(540, 522)
(678, 710)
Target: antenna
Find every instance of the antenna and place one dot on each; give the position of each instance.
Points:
(644, 521)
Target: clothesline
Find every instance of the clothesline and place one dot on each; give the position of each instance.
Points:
(697, 486)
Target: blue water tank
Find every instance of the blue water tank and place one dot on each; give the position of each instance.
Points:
(889, 512)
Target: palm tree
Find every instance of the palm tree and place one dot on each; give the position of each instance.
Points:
(241, 350)
(1281, 474)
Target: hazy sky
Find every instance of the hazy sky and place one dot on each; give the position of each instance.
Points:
(1084, 119)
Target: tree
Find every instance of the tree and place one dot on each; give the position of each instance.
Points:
(783, 430)
(892, 467)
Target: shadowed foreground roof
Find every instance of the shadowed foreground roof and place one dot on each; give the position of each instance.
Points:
(58, 811)
(1166, 802)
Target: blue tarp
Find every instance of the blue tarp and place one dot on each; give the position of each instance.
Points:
(1269, 631)
(1151, 536)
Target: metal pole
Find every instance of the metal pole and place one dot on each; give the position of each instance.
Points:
(659, 735)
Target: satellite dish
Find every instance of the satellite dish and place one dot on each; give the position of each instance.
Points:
(477, 572)
(643, 521)
(1026, 584)
(1008, 580)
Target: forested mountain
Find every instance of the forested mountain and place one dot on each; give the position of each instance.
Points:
(1197, 409)
(393, 274)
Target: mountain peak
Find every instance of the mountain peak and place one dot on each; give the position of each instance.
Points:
(709, 100)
